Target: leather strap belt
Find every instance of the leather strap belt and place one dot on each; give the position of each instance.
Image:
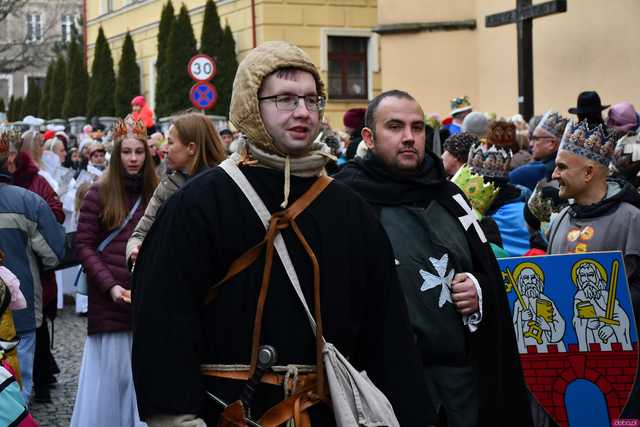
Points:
(268, 378)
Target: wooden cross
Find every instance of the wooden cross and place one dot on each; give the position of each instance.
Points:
(523, 15)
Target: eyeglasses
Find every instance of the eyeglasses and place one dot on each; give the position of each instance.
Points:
(539, 138)
(291, 102)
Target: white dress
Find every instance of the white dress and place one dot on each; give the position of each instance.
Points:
(106, 396)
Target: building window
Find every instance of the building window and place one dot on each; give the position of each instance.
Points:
(6, 88)
(67, 28)
(348, 67)
(34, 27)
(106, 6)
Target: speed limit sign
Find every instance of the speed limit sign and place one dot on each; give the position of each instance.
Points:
(202, 68)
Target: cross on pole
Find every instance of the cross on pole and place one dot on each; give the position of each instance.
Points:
(523, 15)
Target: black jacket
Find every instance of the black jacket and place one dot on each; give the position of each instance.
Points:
(503, 398)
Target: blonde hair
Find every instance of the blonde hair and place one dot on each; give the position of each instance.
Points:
(31, 141)
(51, 144)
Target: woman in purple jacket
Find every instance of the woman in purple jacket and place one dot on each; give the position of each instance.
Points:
(109, 213)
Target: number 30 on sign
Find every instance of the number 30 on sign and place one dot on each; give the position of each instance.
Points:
(202, 68)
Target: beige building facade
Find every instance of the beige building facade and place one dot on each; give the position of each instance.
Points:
(438, 50)
(337, 34)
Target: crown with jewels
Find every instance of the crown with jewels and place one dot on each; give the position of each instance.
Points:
(129, 128)
(545, 201)
(479, 193)
(490, 162)
(593, 143)
(553, 123)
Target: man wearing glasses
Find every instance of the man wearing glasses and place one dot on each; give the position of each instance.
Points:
(544, 144)
(277, 103)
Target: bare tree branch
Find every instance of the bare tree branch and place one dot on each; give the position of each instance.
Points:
(17, 52)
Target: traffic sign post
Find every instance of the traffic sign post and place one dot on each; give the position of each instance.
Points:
(202, 68)
(203, 95)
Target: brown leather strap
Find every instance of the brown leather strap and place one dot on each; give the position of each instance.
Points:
(295, 407)
(250, 256)
(267, 378)
(280, 221)
(233, 416)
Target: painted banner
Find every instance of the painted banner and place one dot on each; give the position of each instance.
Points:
(576, 334)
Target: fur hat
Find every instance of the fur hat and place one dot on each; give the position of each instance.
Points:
(459, 145)
(553, 123)
(593, 143)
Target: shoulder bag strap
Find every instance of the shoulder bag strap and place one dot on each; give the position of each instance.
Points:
(114, 233)
(274, 223)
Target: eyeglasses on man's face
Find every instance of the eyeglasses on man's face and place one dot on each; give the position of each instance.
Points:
(289, 102)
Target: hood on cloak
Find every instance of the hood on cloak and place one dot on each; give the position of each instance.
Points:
(25, 171)
(618, 191)
(244, 111)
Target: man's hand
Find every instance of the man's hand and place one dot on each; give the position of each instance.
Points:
(605, 333)
(526, 315)
(464, 294)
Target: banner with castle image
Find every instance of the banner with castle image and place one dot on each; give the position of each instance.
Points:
(576, 334)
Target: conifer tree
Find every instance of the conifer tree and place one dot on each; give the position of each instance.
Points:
(17, 110)
(212, 43)
(227, 66)
(43, 108)
(11, 109)
(76, 84)
(2, 107)
(128, 81)
(56, 93)
(181, 47)
(31, 101)
(102, 83)
(167, 19)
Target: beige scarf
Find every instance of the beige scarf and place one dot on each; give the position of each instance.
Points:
(310, 165)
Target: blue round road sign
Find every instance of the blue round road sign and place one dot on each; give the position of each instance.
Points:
(203, 95)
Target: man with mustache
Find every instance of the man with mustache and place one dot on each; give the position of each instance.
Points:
(450, 278)
(540, 322)
(589, 329)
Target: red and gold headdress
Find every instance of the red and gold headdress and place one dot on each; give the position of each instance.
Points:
(129, 128)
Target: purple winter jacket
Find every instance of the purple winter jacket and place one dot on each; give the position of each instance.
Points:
(108, 268)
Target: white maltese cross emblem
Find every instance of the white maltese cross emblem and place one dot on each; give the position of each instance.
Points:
(442, 279)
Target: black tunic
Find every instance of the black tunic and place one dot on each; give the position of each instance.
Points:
(207, 225)
(503, 399)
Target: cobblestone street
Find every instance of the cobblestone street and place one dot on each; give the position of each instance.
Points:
(70, 334)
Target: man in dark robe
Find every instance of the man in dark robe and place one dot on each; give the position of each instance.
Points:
(450, 278)
(277, 103)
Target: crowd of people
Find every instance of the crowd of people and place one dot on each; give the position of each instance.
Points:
(386, 232)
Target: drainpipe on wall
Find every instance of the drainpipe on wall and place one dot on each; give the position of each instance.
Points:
(253, 21)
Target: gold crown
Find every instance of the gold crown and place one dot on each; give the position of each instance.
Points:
(593, 143)
(129, 128)
(480, 194)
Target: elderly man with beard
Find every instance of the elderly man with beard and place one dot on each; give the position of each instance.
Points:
(183, 347)
(540, 321)
(590, 305)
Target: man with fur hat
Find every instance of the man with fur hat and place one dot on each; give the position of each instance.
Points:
(450, 278)
(277, 102)
(604, 214)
